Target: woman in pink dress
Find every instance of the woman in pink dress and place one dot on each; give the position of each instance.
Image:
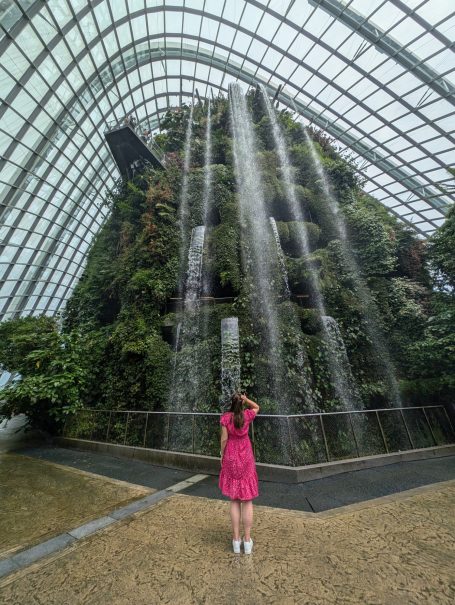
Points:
(238, 476)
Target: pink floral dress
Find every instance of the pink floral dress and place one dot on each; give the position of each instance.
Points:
(238, 476)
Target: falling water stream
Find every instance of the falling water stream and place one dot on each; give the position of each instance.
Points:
(257, 244)
(207, 167)
(369, 308)
(230, 359)
(183, 208)
(281, 258)
(207, 196)
(295, 209)
(186, 373)
(345, 380)
(194, 273)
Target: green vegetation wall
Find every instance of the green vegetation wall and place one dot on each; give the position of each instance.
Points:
(121, 322)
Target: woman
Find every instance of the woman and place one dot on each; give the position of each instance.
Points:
(238, 476)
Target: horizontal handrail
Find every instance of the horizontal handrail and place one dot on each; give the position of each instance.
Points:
(178, 413)
(326, 436)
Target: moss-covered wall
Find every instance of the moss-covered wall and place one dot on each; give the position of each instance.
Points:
(131, 275)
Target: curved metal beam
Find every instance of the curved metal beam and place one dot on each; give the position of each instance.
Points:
(387, 44)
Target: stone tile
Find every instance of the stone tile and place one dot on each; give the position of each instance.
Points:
(47, 499)
(393, 552)
(141, 504)
(196, 478)
(178, 487)
(7, 566)
(48, 547)
(91, 527)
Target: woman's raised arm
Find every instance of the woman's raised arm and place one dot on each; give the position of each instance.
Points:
(251, 404)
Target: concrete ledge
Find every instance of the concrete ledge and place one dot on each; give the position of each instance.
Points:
(300, 474)
(266, 472)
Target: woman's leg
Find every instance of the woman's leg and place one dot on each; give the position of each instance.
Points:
(235, 519)
(247, 518)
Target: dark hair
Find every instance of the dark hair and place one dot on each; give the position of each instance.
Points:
(237, 410)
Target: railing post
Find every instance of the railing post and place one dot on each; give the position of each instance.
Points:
(253, 439)
(193, 424)
(325, 438)
(382, 433)
(353, 433)
(126, 427)
(93, 427)
(291, 445)
(145, 428)
(448, 420)
(108, 425)
(64, 426)
(167, 430)
(407, 430)
(429, 426)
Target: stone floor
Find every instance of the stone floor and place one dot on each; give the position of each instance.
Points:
(359, 548)
(399, 549)
(40, 499)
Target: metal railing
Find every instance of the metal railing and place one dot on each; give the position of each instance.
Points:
(294, 440)
(149, 141)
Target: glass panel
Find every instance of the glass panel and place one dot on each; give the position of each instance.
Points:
(440, 425)
(271, 440)
(135, 429)
(307, 440)
(100, 426)
(394, 430)
(180, 433)
(117, 427)
(81, 424)
(207, 435)
(368, 433)
(339, 435)
(418, 427)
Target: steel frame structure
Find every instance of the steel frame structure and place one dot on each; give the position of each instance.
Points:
(68, 67)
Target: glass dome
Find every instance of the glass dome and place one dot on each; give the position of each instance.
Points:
(376, 75)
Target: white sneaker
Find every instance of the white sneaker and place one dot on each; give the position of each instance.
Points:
(248, 546)
(236, 546)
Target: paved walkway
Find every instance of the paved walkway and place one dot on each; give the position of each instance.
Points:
(313, 496)
(170, 547)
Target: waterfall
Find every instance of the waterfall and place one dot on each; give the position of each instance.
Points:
(187, 381)
(174, 361)
(193, 280)
(192, 362)
(346, 383)
(297, 215)
(295, 207)
(256, 246)
(370, 311)
(207, 167)
(281, 258)
(230, 359)
(183, 209)
(207, 195)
